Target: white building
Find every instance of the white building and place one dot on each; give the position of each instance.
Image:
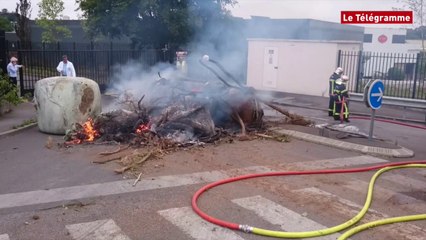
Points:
(297, 55)
(386, 49)
(294, 66)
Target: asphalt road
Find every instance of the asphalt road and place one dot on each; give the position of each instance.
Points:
(412, 138)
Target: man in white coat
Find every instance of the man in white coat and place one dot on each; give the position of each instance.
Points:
(66, 68)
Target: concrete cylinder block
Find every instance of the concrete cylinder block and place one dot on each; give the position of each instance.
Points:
(62, 101)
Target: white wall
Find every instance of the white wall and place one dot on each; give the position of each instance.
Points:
(388, 46)
(414, 46)
(304, 67)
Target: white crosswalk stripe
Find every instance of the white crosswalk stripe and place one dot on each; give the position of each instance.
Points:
(97, 230)
(276, 214)
(118, 187)
(195, 226)
(334, 163)
(349, 209)
(4, 237)
(383, 194)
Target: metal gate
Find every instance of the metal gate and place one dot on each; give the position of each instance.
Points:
(403, 74)
(96, 63)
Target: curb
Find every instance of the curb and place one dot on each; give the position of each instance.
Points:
(387, 152)
(15, 131)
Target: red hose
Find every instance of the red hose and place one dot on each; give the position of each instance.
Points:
(235, 226)
(389, 121)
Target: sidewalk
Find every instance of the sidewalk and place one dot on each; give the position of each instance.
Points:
(20, 113)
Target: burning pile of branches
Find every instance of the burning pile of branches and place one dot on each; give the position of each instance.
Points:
(177, 112)
(173, 113)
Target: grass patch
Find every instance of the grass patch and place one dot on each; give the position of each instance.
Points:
(25, 123)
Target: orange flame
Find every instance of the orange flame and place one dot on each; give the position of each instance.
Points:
(89, 130)
(142, 128)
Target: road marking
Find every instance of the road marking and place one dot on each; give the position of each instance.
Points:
(276, 214)
(4, 237)
(97, 230)
(195, 226)
(249, 170)
(407, 183)
(109, 188)
(384, 194)
(334, 163)
(350, 209)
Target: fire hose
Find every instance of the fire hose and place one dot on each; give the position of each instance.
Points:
(390, 121)
(322, 232)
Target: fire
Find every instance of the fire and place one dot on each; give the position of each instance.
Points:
(142, 128)
(89, 130)
(86, 132)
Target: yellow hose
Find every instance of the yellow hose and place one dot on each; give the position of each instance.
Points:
(349, 223)
(380, 222)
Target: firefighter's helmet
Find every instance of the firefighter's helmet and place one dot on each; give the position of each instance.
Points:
(206, 58)
(339, 70)
(345, 78)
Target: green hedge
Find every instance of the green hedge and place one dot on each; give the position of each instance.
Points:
(8, 92)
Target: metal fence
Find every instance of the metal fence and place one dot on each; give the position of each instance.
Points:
(16, 45)
(403, 74)
(98, 65)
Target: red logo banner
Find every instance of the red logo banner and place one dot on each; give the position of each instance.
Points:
(376, 17)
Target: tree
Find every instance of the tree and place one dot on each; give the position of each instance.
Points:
(5, 24)
(49, 15)
(22, 27)
(151, 22)
(419, 9)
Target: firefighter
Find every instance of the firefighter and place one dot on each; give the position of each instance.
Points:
(336, 75)
(341, 100)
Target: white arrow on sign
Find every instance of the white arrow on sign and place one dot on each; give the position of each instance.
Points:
(380, 94)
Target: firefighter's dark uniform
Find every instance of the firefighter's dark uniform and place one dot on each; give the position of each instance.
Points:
(340, 101)
(331, 85)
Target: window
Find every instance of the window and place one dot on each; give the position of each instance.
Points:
(398, 39)
(368, 38)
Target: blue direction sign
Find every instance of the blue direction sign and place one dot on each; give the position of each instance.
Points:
(375, 94)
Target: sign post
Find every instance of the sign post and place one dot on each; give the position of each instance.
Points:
(370, 133)
(374, 95)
